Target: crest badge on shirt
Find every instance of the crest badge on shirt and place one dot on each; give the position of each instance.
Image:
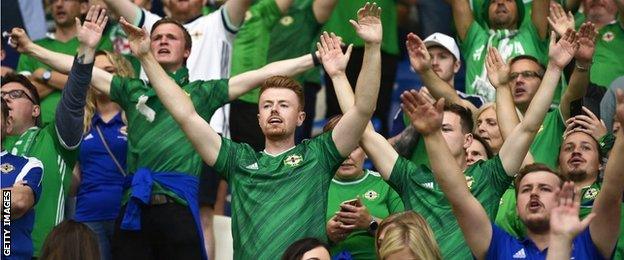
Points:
(293, 160)
(608, 36)
(469, 182)
(286, 20)
(591, 194)
(371, 195)
(7, 168)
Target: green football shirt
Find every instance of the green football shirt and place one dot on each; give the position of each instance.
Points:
(378, 197)
(251, 45)
(347, 10)
(607, 61)
(295, 35)
(417, 187)
(277, 199)
(27, 65)
(155, 141)
(510, 43)
(58, 163)
(545, 146)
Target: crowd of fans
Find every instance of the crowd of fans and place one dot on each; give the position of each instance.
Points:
(124, 133)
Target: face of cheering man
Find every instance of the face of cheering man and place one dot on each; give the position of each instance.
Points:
(280, 112)
(454, 134)
(23, 107)
(169, 46)
(503, 14)
(443, 63)
(526, 76)
(536, 197)
(475, 152)
(579, 158)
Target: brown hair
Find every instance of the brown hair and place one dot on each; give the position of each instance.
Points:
(536, 167)
(32, 90)
(187, 37)
(297, 249)
(488, 149)
(407, 230)
(287, 83)
(70, 240)
(124, 69)
(465, 116)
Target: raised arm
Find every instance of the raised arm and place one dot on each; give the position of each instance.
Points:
(124, 8)
(516, 146)
(620, 6)
(70, 110)
(349, 129)
(609, 200)
(236, 10)
(463, 17)
(421, 62)
(580, 76)
(323, 9)
(427, 120)
(498, 74)
(565, 223)
(335, 63)
(100, 79)
(205, 140)
(539, 17)
(243, 83)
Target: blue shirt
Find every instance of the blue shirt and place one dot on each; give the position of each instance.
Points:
(30, 170)
(505, 246)
(101, 186)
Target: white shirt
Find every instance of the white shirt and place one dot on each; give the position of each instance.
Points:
(211, 53)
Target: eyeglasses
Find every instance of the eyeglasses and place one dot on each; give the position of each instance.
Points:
(525, 74)
(17, 93)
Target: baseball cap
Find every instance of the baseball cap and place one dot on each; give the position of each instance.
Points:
(445, 41)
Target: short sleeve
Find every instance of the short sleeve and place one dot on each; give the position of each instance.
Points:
(209, 96)
(395, 204)
(25, 65)
(495, 176)
(33, 177)
(399, 177)
(327, 153)
(227, 158)
(148, 19)
(475, 36)
(119, 91)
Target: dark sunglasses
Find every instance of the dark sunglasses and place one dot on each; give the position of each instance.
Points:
(17, 93)
(525, 74)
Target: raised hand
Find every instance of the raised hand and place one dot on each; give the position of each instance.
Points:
(497, 69)
(137, 37)
(354, 217)
(564, 219)
(90, 32)
(331, 55)
(586, 39)
(334, 232)
(19, 40)
(368, 26)
(559, 20)
(418, 55)
(588, 123)
(426, 117)
(561, 53)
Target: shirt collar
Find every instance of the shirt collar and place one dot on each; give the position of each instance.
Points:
(3, 152)
(180, 76)
(97, 119)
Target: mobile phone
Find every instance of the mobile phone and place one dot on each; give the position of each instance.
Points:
(353, 202)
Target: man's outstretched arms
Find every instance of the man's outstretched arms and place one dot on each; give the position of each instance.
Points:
(205, 140)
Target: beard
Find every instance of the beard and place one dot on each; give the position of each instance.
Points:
(577, 175)
(538, 226)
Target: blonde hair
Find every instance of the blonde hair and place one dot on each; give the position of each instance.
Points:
(407, 230)
(482, 109)
(124, 69)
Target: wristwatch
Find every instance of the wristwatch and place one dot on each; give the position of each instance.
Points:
(372, 226)
(46, 76)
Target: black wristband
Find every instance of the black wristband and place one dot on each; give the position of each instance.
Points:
(315, 59)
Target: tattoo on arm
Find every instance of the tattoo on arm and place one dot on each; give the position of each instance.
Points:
(406, 142)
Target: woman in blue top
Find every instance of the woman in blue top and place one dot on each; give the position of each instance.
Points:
(101, 167)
